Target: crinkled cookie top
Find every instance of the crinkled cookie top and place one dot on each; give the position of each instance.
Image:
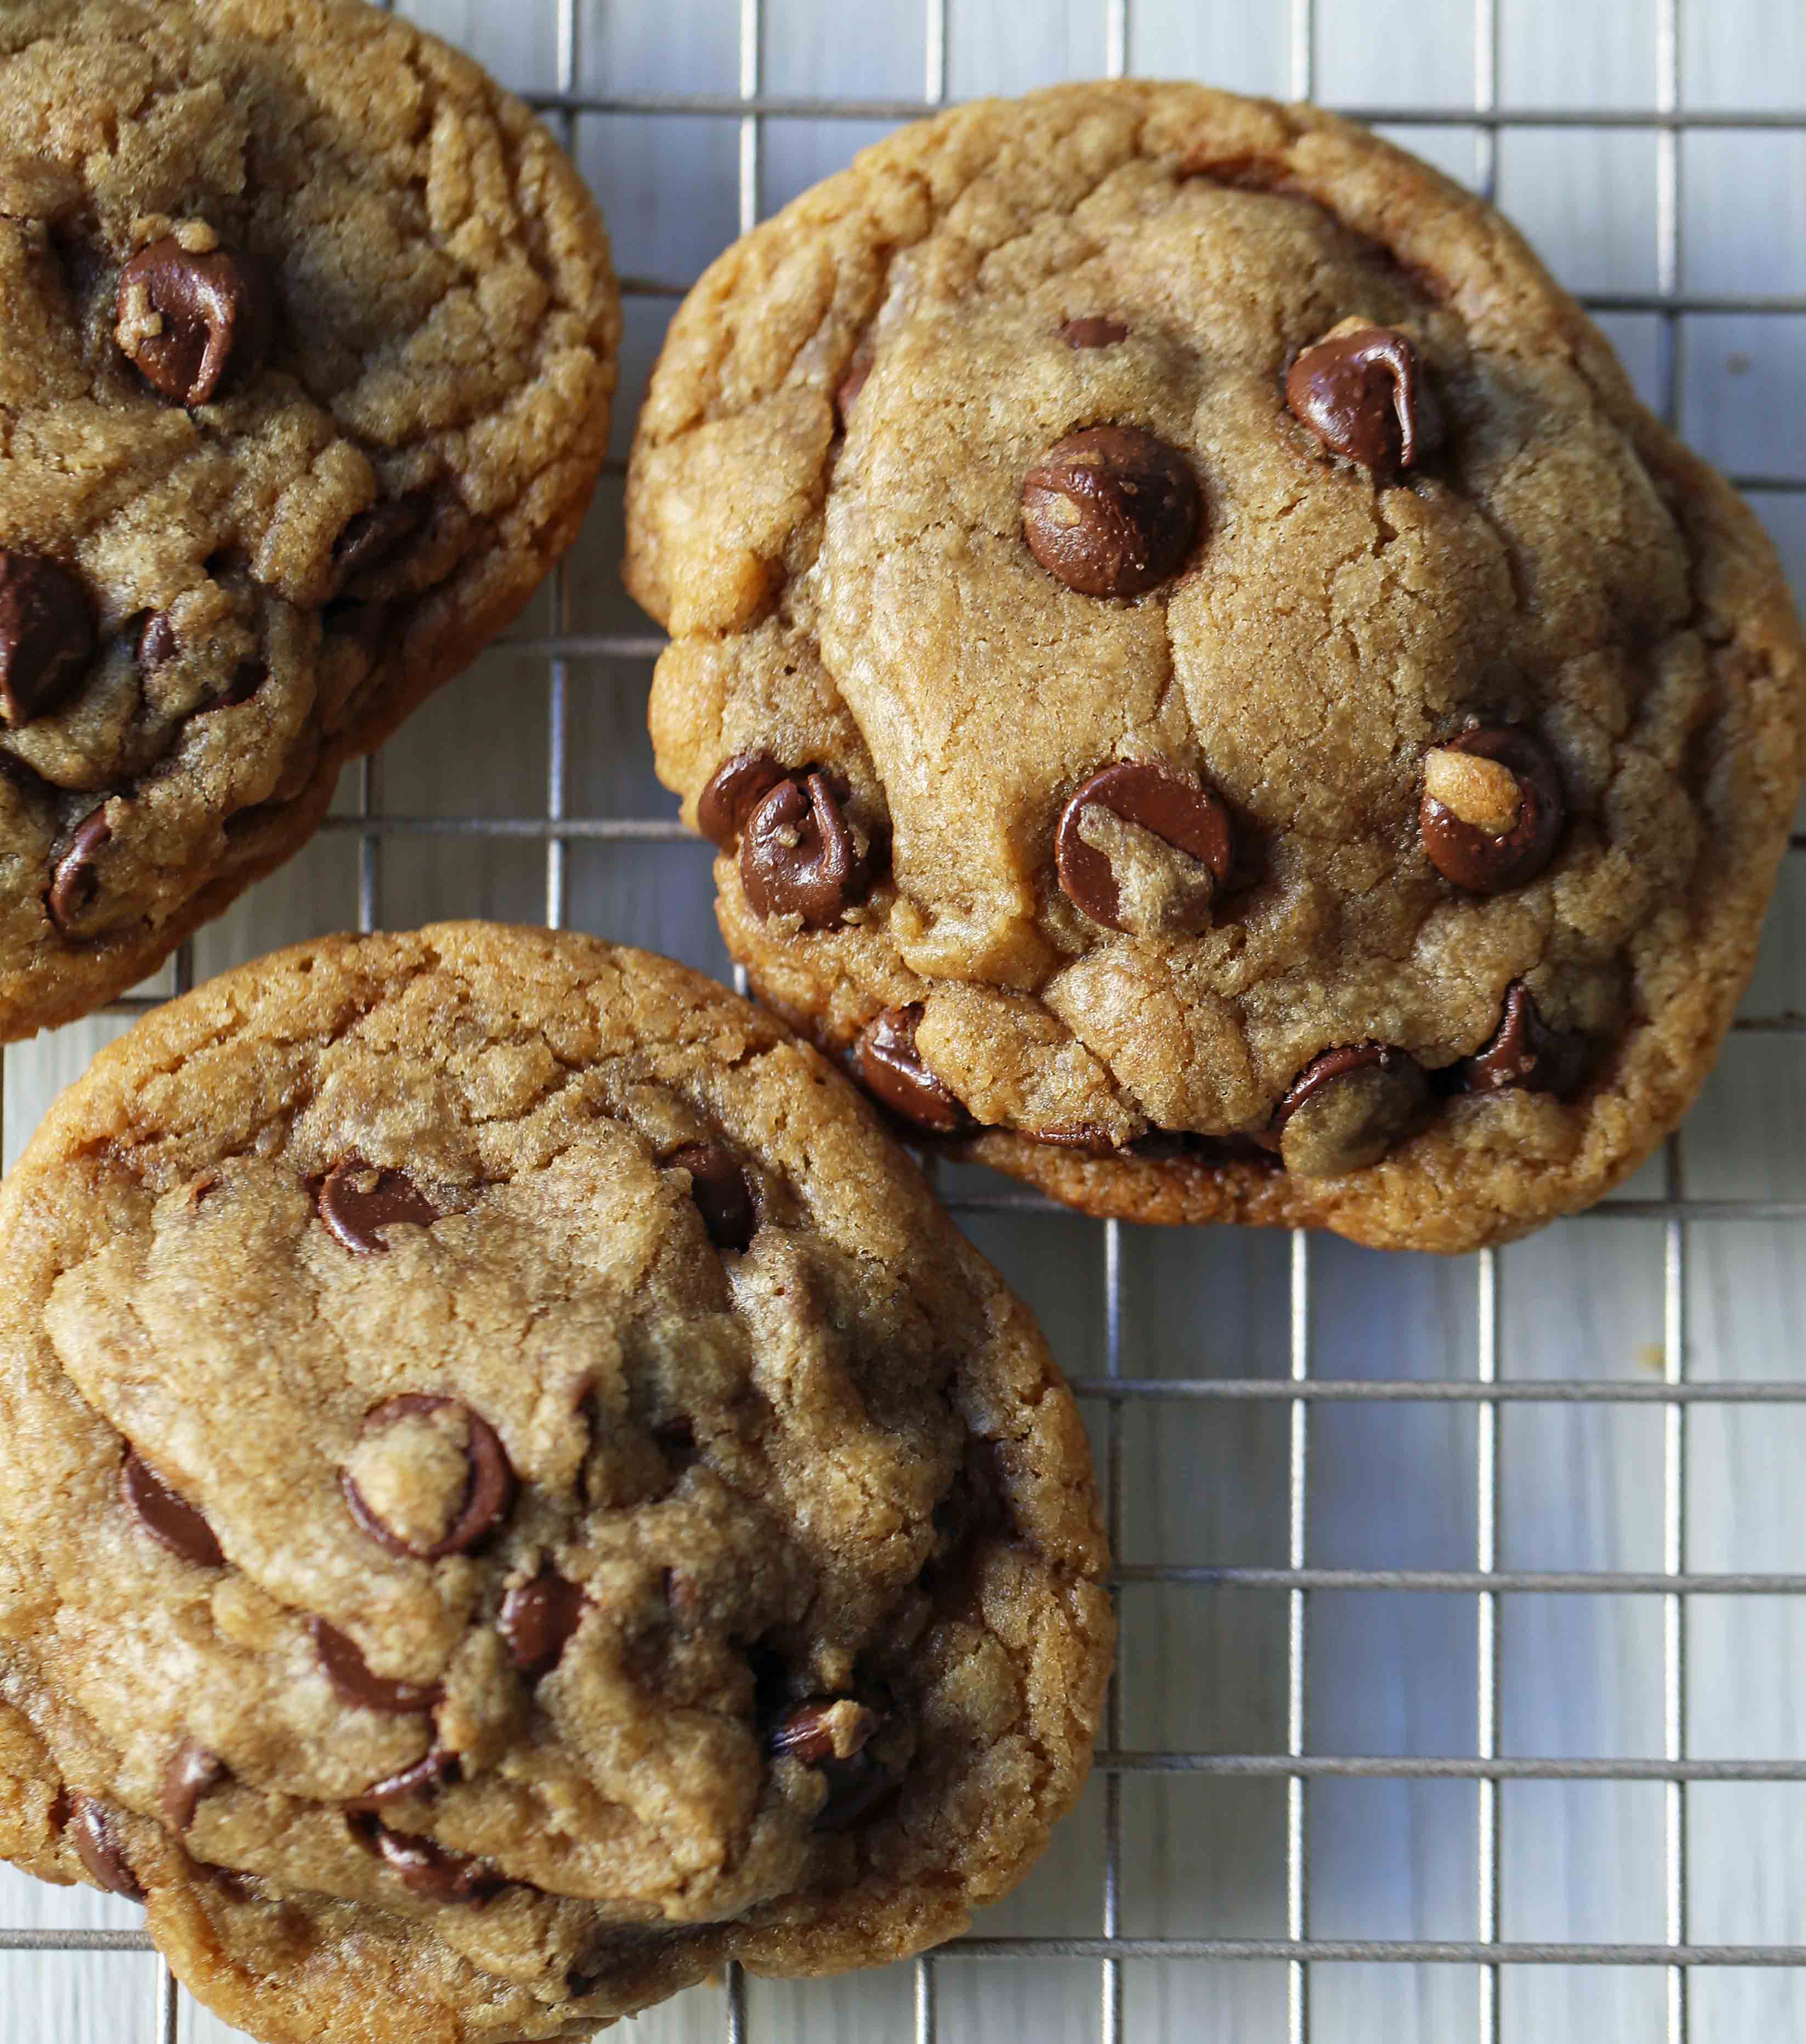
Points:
(1198, 663)
(311, 334)
(515, 1493)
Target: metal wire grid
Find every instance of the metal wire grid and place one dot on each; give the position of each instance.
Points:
(1487, 1768)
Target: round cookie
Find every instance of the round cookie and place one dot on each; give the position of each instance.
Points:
(516, 1495)
(1205, 679)
(311, 338)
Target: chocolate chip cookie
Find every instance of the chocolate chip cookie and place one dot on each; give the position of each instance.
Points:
(515, 1494)
(1206, 681)
(310, 339)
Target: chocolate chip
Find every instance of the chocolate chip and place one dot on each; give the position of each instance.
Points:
(1085, 1137)
(74, 880)
(345, 1668)
(1161, 897)
(1365, 395)
(892, 1068)
(192, 1773)
(374, 537)
(94, 1831)
(736, 791)
(1526, 1055)
(432, 1771)
(798, 857)
(357, 1202)
(168, 1518)
(538, 1618)
(1493, 808)
(1093, 332)
(157, 643)
(247, 678)
(846, 396)
(212, 312)
(1348, 1108)
(718, 1186)
(47, 635)
(430, 1870)
(831, 1735)
(489, 1488)
(1111, 511)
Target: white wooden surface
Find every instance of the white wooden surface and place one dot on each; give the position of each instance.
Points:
(1204, 1669)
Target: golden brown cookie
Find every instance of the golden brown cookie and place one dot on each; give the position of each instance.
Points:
(513, 1494)
(1203, 674)
(310, 339)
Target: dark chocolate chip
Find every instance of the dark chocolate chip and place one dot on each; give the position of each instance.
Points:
(157, 643)
(1365, 395)
(346, 1669)
(247, 678)
(1085, 1136)
(432, 1771)
(831, 1735)
(489, 1489)
(1495, 825)
(374, 537)
(215, 314)
(736, 791)
(798, 857)
(94, 1831)
(891, 1067)
(1348, 1108)
(1526, 1055)
(431, 1871)
(538, 1618)
(47, 635)
(1093, 332)
(1111, 511)
(718, 1186)
(1174, 807)
(168, 1518)
(74, 880)
(357, 1202)
(192, 1773)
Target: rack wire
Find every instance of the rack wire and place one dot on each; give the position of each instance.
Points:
(371, 825)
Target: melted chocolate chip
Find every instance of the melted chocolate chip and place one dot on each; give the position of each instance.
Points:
(892, 1068)
(192, 1773)
(94, 1831)
(157, 643)
(74, 880)
(429, 1870)
(1348, 1108)
(1176, 808)
(798, 857)
(1364, 396)
(357, 1202)
(346, 1669)
(47, 635)
(168, 1518)
(1111, 511)
(214, 311)
(831, 1735)
(1498, 844)
(374, 537)
(718, 1186)
(1093, 332)
(489, 1489)
(1526, 1055)
(538, 1618)
(432, 1771)
(736, 791)
(1085, 1137)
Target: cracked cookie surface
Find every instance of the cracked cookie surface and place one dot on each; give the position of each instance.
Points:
(311, 338)
(1184, 633)
(516, 1495)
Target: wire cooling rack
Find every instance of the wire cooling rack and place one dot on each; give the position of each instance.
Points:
(1462, 1378)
